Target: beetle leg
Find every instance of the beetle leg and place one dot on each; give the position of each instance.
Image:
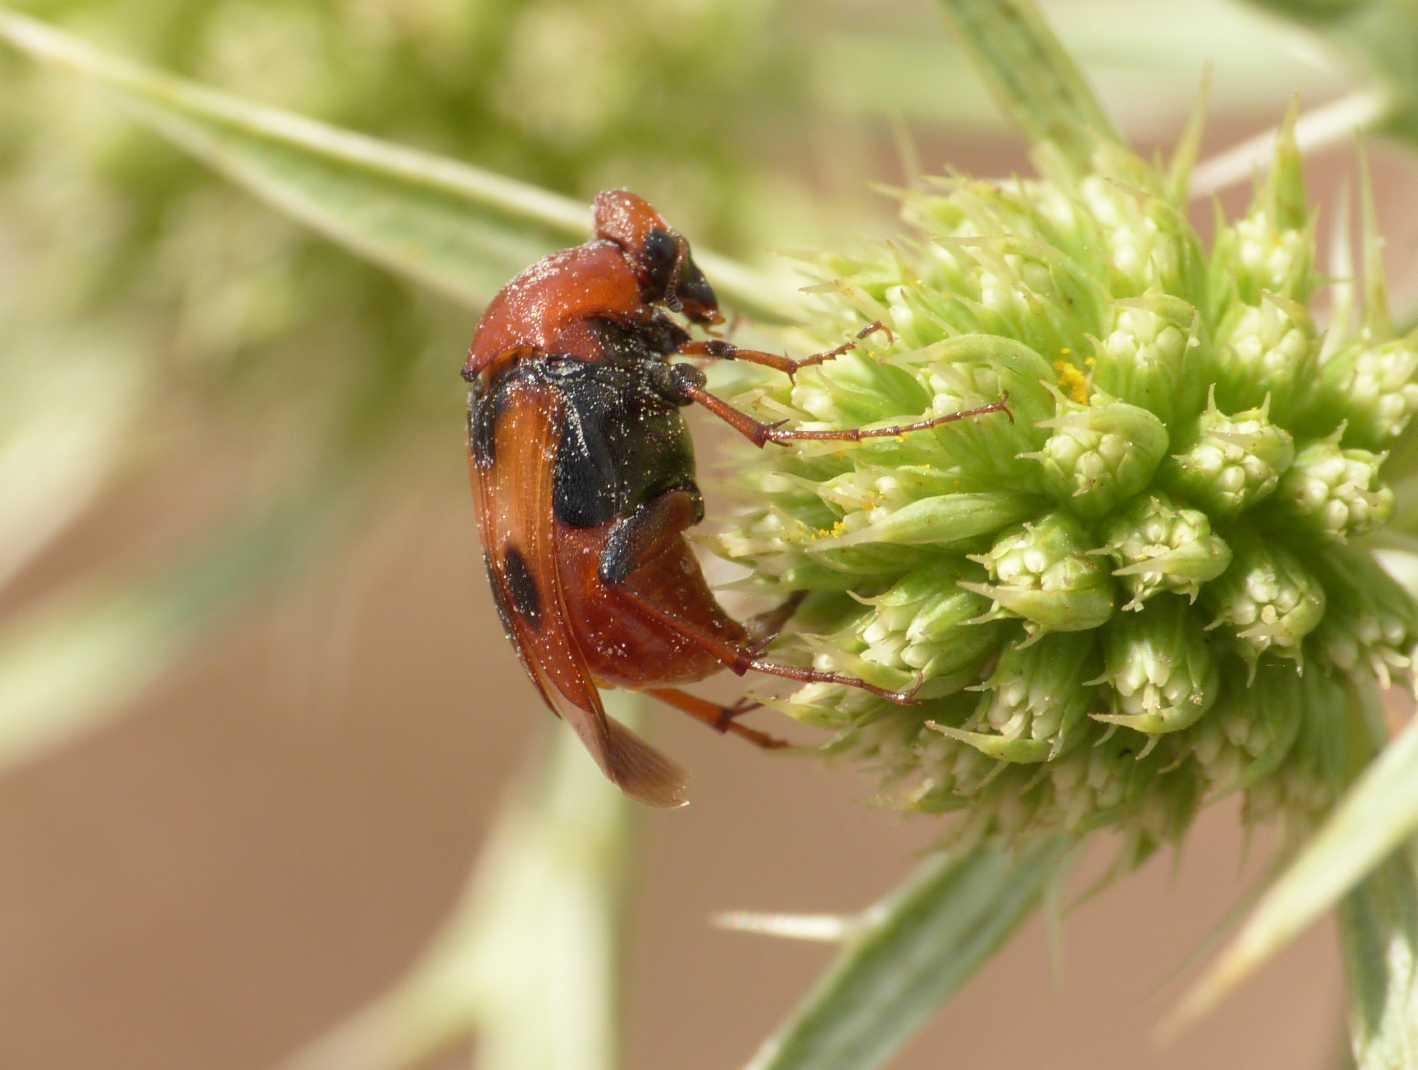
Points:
(723, 350)
(741, 659)
(719, 718)
(637, 536)
(760, 434)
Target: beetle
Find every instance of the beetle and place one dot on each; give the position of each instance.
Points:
(583, 477)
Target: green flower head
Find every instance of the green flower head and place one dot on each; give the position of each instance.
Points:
(1144, 590)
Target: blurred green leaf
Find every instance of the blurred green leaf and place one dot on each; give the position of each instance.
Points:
(1378, 932)
(530, 957)
(1036, 82)
(455, 228)
(1372, 820)
(64, 409)
(913, 952)
(1145, 60)
(1317, 11)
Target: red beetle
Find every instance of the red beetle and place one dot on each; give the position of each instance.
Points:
(583, 474)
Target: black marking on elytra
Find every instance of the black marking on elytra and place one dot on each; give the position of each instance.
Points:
(483, 413)
(499, 599)
(522, 586)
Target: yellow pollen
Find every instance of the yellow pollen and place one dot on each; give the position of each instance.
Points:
(1073, 381)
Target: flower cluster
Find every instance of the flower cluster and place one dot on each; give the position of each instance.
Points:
(1149, 588)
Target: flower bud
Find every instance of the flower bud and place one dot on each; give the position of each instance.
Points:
(975, 370)
(1160, 667)
(914, 628)
(1100, 453)
(951, 773)
(1011, 278)
(1370, 623)
(1250, 730)
(859, 391)
(925, 604)
(941, 521)
(777, 545)
(1034, 702)
(1372, 388)
(1333, 493)
(1270, 249)
(1043, 572)
(1265, 351)
(1093, 785)
(1266, 600)
(1159, 546)
(873, 486)
(1152, 355)
(1303, 788)
(1228, 463)
(1149, 244)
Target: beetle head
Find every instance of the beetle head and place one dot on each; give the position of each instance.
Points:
(660, 256)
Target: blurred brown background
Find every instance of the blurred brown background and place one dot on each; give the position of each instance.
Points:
(271, 834)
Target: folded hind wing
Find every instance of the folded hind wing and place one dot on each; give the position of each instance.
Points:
(513, 433)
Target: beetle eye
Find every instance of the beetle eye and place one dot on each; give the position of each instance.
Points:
(658, 257)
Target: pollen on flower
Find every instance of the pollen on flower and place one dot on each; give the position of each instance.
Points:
(1144, 590)
(1073, 381)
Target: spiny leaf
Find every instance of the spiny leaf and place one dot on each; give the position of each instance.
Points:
(1378, 932)
(918, 949)
(1376, 816)
(1034, 79)
(455, 228)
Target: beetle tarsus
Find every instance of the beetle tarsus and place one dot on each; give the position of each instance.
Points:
(877, 325)
(727, 714)
(719, 349)
(723, 719)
